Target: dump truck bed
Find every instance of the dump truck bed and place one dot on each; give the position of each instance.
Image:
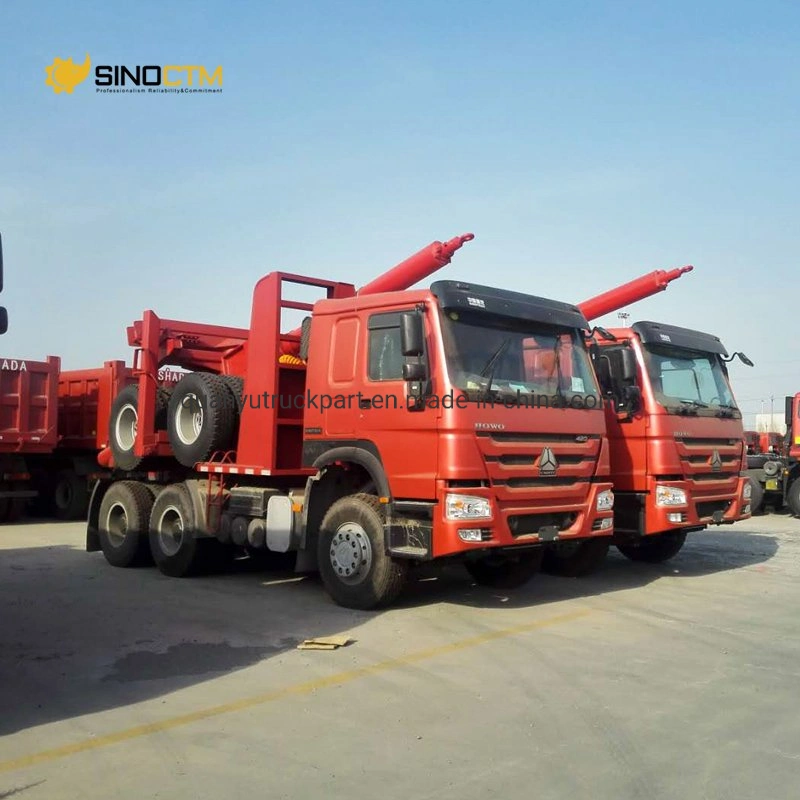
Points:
(28, 405)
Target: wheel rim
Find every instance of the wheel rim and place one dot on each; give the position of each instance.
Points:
(117, 525)
(351, 553)
(125, 428)
(170, 531)
(189, 419)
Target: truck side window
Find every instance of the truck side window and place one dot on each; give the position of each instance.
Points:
(385, 358)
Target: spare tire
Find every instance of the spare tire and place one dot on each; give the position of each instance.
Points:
(236, 385)
(123, 422)
(772, 468)
(201, 418)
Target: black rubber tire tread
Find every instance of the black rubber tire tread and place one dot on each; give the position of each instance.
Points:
(506, 571)
(219, 417)
(137, 501)
(125, 459)
(793, 497)
(70, 495)
(586, 558)
(388, 575)
(756, 497)
(196, 556)
(654, 549)
(236, 386)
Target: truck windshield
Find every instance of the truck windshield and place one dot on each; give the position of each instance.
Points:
(689, 381)
(499, 358)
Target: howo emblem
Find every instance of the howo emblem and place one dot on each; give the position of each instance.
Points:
(716, 461)
(547, 462)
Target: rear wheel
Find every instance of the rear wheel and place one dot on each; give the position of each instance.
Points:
(575, 559)
(756, 497)
(654, 549)
(506, 571)
(123, 524)
(793, 497)
(70, 495)
(353, 564)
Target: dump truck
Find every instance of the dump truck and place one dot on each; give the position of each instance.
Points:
(382, 433)
(676, 439)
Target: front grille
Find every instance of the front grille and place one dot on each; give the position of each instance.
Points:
(526, 524)
(707, 509)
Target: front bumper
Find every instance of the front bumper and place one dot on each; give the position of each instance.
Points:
(519, 523)
(699, 511)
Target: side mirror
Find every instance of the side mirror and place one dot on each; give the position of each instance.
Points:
(631, 400)
(3, 320)
(788, 411)
(1, 265)
(628, 363)
(412, 334)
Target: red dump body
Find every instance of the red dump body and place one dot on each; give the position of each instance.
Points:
(28, 405)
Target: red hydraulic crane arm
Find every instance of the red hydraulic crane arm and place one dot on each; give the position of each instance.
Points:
(630, 292)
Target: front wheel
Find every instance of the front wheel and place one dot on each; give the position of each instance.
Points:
(575, 559)
(353, 564)
(506, 571)
(654, 549)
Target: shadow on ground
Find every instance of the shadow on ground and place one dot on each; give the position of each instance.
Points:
(79, 636)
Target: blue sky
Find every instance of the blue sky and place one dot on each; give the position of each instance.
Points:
(583, 143)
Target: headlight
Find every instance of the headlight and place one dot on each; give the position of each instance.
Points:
(464, 506)
(670, 496)
(605, 500)
(747, 492)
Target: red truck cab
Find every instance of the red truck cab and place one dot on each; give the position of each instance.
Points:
(475, 410)
(675, 434)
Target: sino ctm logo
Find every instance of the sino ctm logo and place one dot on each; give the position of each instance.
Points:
(64, 75)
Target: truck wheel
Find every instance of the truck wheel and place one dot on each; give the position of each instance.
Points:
(70, 495)
(575, 559)
(793, 497)
(654, 549)
(176, 550)
(123, 524)
(756, 496)
(236, 386)
(504, 571)
(353, 564)
(201, 418)
(123, 422)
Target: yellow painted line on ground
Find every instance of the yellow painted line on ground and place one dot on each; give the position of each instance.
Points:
(306, 687)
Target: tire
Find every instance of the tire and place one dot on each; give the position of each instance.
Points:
(177, 552)
(123, 422)
(70, 495)
(124, 523)
(654, 549)
(575, 559)
(756, 496)
(772, 468)
(793, 497)
(353, 564)
(506, 571)
(236, 387)
(201, 419)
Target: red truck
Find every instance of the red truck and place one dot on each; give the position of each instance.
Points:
(774, 466)
(456, 422)
(676, 441)
(376, 436)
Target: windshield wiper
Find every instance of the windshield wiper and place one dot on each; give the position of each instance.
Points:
(693, 404)
(490, 366)
(726, 410)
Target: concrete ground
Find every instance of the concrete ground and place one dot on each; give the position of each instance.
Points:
(672, 681)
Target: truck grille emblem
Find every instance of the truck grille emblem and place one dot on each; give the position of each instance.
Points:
(548, 465)
(716, 461)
